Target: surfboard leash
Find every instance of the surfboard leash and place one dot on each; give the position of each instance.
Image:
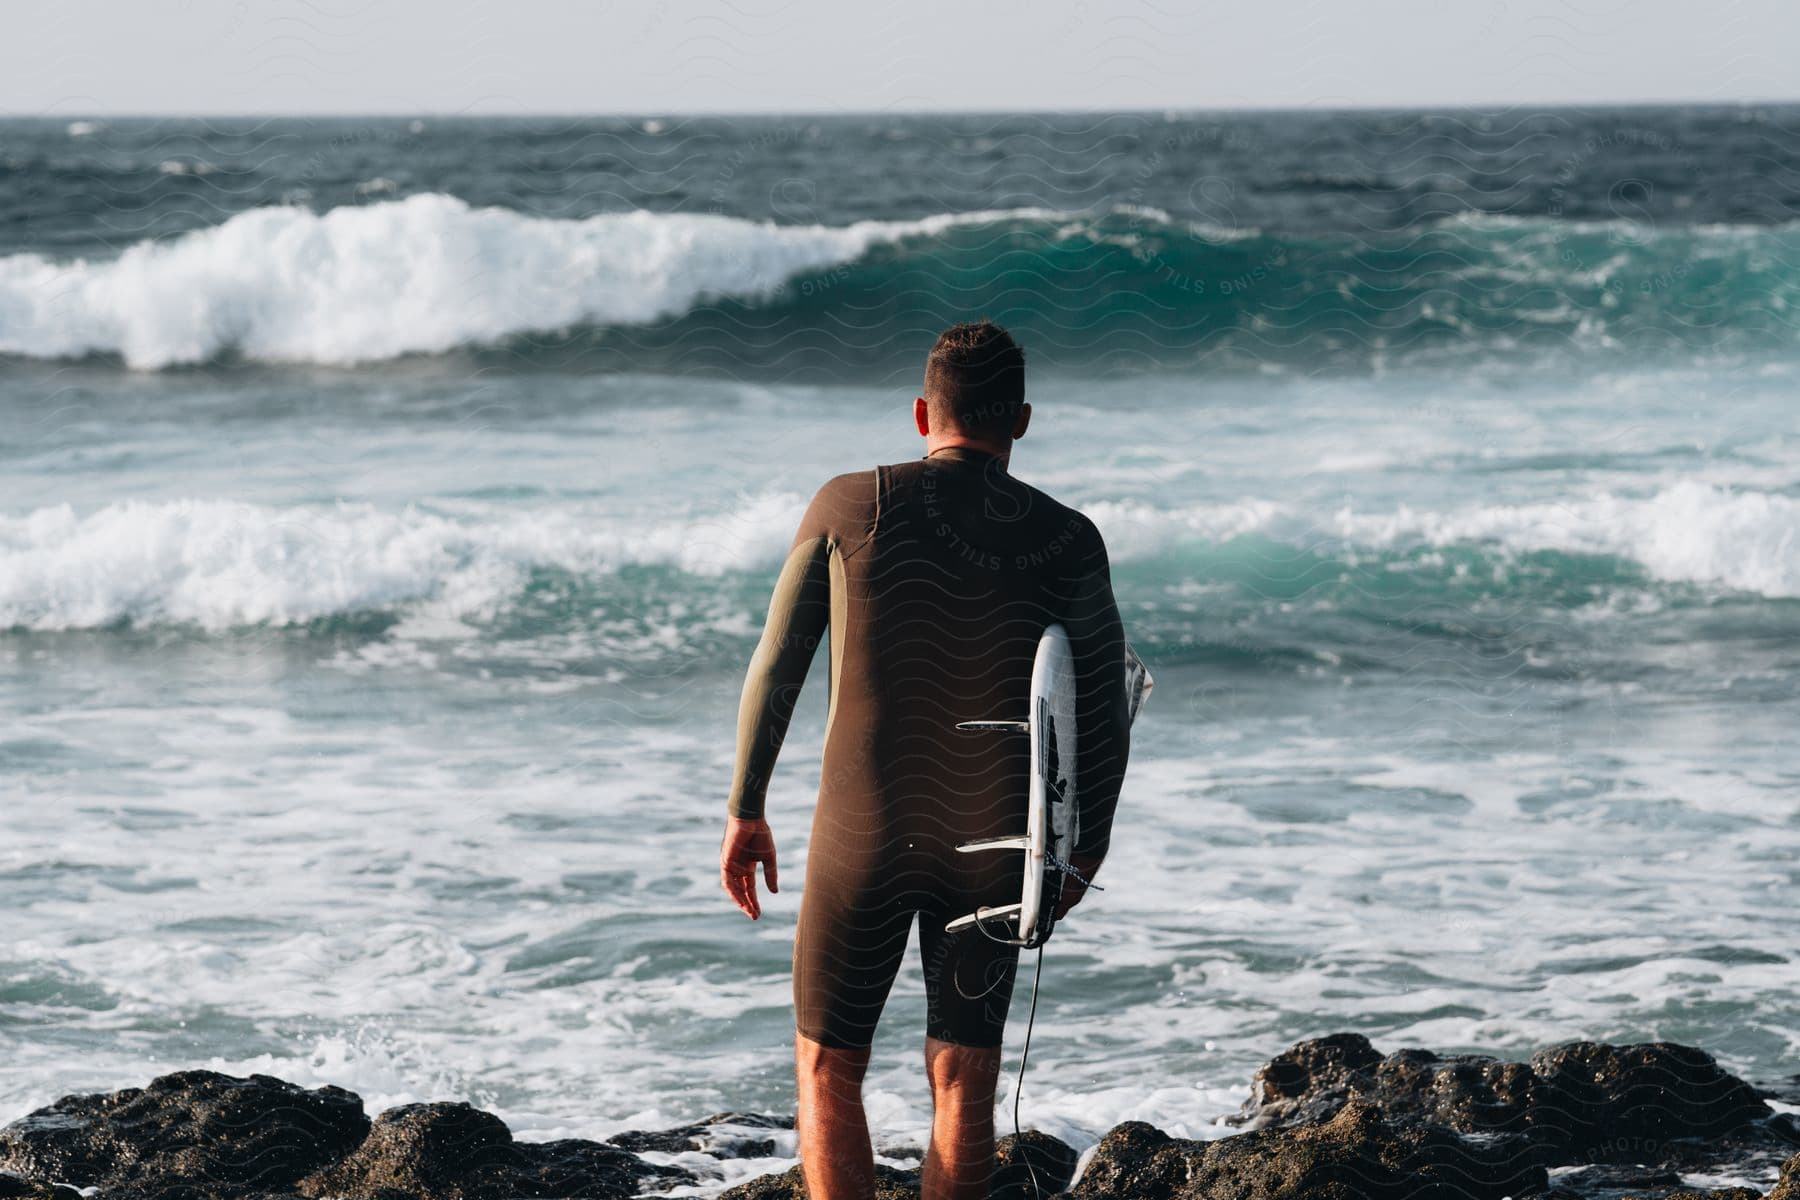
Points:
(1037, 976)
(1019, 1084)
(1068, 868)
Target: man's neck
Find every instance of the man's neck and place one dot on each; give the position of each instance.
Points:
(998, 452)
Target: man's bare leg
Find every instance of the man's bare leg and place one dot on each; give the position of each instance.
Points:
(835, 1154)
(959, 1163)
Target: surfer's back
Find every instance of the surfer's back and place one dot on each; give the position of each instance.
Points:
(943, 574)
(933, 582)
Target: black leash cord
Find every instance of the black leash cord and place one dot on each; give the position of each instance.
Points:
(1037, 976)
(1019, 1086)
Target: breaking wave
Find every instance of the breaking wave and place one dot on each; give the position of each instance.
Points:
(216, 565)
(430, 274)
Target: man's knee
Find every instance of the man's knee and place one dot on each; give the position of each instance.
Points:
(955, 1068)
(824, 1064)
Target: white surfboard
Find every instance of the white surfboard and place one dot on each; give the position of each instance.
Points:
(1052, 818)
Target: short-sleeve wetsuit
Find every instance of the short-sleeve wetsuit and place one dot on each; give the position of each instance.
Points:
(934, 579)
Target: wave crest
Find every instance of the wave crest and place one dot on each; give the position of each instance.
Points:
(421, 275)
(218, 564)
(222, 564)
(429, 274)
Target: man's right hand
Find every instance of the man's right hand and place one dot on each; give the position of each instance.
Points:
(1072, 888)
(746, 844)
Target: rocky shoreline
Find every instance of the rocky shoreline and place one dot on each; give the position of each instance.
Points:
(1330, 1118)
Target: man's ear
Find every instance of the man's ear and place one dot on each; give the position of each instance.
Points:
(922, 417)
(1024, 420)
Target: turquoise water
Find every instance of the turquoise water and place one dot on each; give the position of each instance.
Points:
(368, 681)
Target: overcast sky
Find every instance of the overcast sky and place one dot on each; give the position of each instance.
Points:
(651, 56)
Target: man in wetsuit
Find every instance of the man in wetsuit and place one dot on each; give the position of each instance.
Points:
(933, 580)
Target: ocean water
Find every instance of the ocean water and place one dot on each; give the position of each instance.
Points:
(388, 507)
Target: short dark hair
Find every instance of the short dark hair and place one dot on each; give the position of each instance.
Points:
(975, 379)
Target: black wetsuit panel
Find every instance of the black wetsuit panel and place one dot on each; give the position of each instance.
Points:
(934, 581)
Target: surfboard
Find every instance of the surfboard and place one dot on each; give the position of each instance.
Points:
(1052, 816)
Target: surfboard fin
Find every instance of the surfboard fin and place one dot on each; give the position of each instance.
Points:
(984, 913)
(1020, 842)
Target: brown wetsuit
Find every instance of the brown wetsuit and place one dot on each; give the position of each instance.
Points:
(935, 579)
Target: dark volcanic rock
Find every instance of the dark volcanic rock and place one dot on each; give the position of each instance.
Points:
(1138, 1159)
(14, 1188)
(1469, 1093)
(889, 1185)
(704, 1135)
(1588, 1094)
(193, 1133)
(1331, 1119)
(1788, 1186)
(1580, 1100)
(1052, 1159)
(576, 1168)
(449, 1151)
(423, 1149)
(1357, 1155)
(1310, 1080)
(1017, 1157)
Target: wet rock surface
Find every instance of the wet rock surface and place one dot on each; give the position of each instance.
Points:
(1328, 1119)
(1788, 1186)
(890, 1184)
(195, 1133)
(1579, 1098)
(1018, 1158)
(1659, 1106)
(1357, 1153)
(14, 1188)
(722, 1135)
(200, 1135)
(1589, 1095)
(1015, 1158)
(1610, 1118)
(459, 1151)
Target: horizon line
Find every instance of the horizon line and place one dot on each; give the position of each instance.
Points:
(798, 113)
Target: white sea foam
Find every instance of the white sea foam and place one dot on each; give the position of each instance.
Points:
(181, 166)
(1135, 529)
(420, 275)
(218, 564)
(1686, 532)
